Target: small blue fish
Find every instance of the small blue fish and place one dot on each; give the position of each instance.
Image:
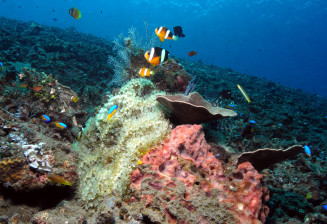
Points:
(60, 125)
(230, 106)
(307, 150)
(1, 66)
(324, 207)
(112, 111)
(45, 118)
(252, 121)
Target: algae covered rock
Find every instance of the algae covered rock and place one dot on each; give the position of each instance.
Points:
(110, 150)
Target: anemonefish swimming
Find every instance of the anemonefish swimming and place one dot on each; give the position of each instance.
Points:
(192, 53)
(111, 112)
(163, 33)
(307, 150)
(1, 66)
(145, 72)
(45, 118)
(60, 125)
(75, 12)
(156, 55)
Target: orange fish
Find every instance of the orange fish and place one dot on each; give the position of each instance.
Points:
(37, 88)
(145, 72)
(163, 33)
(192, 53)
(156, 55)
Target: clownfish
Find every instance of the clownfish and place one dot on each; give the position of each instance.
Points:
(1, 66)
(145, 72)
(163, 33)
(45, 118)
(75, 12)
(60, 125)
(156, 55)
(111, 112)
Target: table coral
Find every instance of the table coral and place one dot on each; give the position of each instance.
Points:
(110, 150)
(182, 182)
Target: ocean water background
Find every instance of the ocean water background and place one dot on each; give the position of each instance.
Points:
(281, 40)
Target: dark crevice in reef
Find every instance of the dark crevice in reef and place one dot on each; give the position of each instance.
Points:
(46, 198)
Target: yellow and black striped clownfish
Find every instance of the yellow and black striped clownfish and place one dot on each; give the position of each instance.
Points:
(163, 33)
(145, 72)
(156, 55)
(75, 12)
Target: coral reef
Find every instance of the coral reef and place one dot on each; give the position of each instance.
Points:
(182, 182)
(109, 151)
(75, 59)
(37, 59)
(50, 97)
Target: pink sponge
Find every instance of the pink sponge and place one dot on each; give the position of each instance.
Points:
(184, 183)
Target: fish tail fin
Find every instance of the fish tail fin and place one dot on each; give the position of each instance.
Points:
(162, 39)
(175, 37)
(151, 72)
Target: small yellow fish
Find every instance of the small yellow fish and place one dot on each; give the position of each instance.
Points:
(74, 99)
(244, 93)
(58, 179)
(308, 195)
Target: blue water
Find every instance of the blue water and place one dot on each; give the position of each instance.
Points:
(281, 40)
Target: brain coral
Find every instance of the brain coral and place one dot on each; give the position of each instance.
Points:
(109, 151)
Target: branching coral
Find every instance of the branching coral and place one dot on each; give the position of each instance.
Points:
(124, 47)
(110, 150)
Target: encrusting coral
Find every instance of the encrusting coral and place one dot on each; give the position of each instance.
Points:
(110, 150)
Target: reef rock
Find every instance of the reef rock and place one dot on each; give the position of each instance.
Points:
(182, 182)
